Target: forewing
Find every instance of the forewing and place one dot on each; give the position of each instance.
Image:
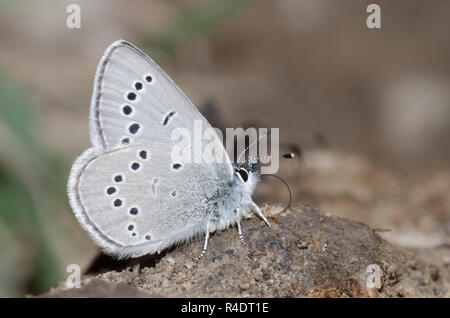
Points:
(135, 101)
(133, 200)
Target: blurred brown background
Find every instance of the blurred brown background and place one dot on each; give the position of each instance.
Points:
(380, 98)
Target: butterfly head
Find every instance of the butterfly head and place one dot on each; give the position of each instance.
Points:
(247, 173)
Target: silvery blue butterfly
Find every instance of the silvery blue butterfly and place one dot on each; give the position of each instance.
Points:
(126, 191)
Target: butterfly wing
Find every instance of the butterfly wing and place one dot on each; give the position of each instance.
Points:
(134, 100)
(154, 202)
(133, 201)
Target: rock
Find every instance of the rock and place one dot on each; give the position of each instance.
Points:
(304, 254)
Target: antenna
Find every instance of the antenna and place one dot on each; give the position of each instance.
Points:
(287, 186)
(290, 155)
(251, 145)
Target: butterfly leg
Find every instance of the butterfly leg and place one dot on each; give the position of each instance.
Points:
(137, 268)
(258, 211)
(241, 238)
(205, 245)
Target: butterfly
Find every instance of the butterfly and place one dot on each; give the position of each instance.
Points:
(126, 190)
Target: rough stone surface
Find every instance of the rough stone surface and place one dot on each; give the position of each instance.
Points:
(304, 254)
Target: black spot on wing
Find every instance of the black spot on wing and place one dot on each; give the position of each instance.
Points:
(131, 96)
(166, 120)
(133, 129)
(127, 110)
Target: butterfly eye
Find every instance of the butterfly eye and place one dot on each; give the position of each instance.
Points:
(243, 174)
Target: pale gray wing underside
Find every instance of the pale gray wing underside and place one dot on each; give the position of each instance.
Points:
(133, 200)
(136, 107)
(134, 100)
